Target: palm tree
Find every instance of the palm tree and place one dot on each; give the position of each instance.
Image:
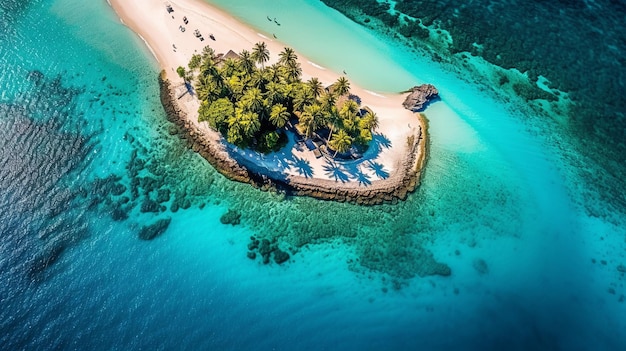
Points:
(207, 89)
(328, 100)
(194, 62)
(311, 119)
(287, 57)
(293, 71)
(370, 120)
(348, 113)
(250, 123)
(208, 54)
(273, 93)
(341, 142)
(334, 121)
(247, 63)
(316, 87)
(229, 67)
(279, 115)
(342, 86)
(304, 97)
(260, 53)
(273, 73)
(307, 124)
(252, 100)
(257, 79)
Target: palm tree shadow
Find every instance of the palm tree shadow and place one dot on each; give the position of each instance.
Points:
(381, 141)
(334, 170)
(303, 167)
(362, 178)
(378, 169)
(190, 89)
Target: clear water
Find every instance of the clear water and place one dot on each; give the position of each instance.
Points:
(499, 204)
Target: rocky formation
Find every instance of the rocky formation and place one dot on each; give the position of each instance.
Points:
(266, 249)
(419, 96)
(395, 188)
(149, 232)
(231, 217)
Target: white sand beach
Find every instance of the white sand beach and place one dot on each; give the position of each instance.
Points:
(173, 47)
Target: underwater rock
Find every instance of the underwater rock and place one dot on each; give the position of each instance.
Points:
(265, 248)
(118, 189)
(232, 217)
(174, 207)
(251, 255)
(45, 259)
(419, 96)
(151, 231)
(280, 256)
(480, 266)
(118, 214)
(163, 195)
(253, 245)
(150, 206)
(621, 268)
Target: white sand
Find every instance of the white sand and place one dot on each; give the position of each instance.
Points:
(174, 48)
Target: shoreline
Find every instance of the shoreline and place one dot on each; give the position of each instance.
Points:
(403, 158)
(391, 190)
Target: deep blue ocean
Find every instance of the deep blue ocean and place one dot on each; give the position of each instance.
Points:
(522, 199)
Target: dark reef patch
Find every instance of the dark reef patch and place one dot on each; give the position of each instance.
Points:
(578, 46)
(40, 211)
(151, 231)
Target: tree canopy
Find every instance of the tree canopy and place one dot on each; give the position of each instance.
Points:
(251, 104)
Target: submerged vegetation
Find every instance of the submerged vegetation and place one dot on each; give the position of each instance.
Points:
(252, 104)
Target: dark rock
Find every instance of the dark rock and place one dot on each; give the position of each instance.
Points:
(163, 195)
(151, 231)
(185, 204)
(280, 256)
(480, 266)
(265, 248)
(251, 255)
(266, 259)
(118, 214)
(118, 189)
(150, 206)
(253, 245)
(124, 200)
(45, 259)
(174, 207)
(149, 184)
(419, 96)
(231, 217)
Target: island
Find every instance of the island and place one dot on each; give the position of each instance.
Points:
(261, 113)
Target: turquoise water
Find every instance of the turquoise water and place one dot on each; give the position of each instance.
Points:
(500, 204)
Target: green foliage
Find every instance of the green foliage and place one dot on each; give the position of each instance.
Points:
(250, 105)
(217, 113)
(269, 141)
(194, 63)
(341, 142)
(181, 72)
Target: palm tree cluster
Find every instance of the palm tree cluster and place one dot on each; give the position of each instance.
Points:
(251, 104)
